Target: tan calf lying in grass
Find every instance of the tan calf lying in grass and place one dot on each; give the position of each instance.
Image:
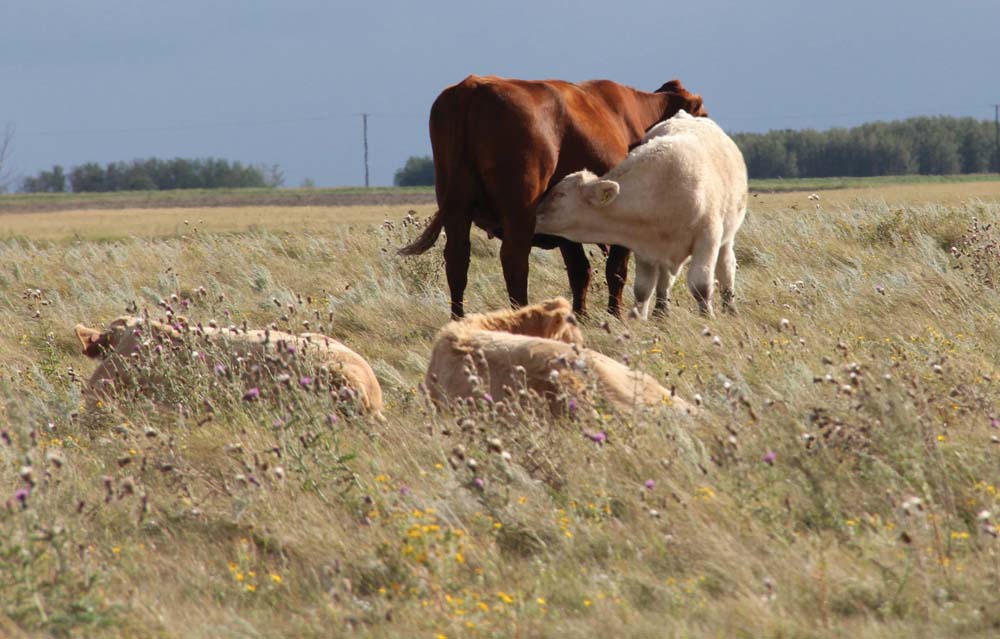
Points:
(130, 348)
(538, 349)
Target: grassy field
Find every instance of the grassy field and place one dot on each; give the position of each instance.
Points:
(188, 198)
(389, 196)
(840, 480)
(816, 184)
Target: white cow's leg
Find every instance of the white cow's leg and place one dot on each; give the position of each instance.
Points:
(665, 282)
(701, 273)
(646, 274)
(725, 272)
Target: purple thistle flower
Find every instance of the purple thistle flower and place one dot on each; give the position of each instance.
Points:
(404, 490)
(331, 419)
(480, 484)
(251, 394)
(305, 380)
(769, 457)
(599, 437)
(290, 350)
(994, 423)
(488, 397)
(220, 369)
(5, 436)
(21, 495)
(572, 405)
(650, 484)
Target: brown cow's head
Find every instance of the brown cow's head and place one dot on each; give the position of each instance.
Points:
(681, 98)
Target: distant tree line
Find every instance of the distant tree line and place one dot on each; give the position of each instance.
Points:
(927, 145)
(154, 175)
(935, 146)
(418, 171)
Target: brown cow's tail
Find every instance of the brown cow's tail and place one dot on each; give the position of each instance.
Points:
(427, 238)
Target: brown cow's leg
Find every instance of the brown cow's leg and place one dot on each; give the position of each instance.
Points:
(457, 249)
(578, 270)
(616, 271)
(514, 253)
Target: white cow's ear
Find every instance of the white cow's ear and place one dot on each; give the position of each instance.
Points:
(602, 192)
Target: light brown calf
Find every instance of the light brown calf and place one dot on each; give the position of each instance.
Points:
(253, 351)
(538, 348)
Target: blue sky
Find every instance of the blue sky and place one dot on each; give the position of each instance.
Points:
(284, 82)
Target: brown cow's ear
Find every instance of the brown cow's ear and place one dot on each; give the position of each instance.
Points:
(696, 107)
(674, 86)
(94, 342)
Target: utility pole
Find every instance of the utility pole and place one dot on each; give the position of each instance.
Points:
(364, 124)
(996, 148)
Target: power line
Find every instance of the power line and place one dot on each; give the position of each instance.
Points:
(846, 114)
(218, 124)
(214, 124)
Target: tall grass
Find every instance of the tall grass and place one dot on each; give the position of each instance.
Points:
(840, 480)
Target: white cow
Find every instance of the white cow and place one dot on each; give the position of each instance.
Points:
(681, 194)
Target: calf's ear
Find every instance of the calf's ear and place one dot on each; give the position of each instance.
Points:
(602, 192)
(94, 342)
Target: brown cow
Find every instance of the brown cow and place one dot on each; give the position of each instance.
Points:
(500, 144)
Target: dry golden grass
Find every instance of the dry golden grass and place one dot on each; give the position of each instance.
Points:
(113, 224)
(841, 479)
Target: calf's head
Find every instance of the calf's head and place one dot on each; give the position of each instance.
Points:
(120, 333)
(576, 198)
(98, 344)
(551, 319)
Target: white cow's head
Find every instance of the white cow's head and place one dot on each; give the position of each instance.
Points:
(576, 197)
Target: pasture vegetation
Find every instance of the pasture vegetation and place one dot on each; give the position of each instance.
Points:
(841, 479)
(359, 196)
